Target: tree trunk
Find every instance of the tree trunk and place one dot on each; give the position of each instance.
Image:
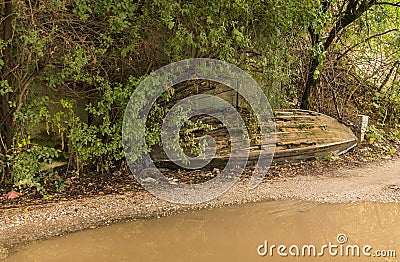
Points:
(311, 84)
(6, 120)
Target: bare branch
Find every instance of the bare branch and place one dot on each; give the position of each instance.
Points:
(388, 3)
(365, 40)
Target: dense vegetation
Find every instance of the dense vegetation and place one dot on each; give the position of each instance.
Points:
(338, 57)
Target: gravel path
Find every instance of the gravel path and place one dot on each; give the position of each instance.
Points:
(378, 181)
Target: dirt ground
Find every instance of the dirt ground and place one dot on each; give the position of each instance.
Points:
(334, 182)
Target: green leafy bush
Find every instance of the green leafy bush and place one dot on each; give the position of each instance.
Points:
(26, 165)
(374, 134)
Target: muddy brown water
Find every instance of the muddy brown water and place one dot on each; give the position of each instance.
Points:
(238, 233)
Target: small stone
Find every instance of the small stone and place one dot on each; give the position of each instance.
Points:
(216, 171)
(149, 180)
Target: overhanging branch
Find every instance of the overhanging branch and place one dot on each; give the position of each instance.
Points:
(388, 3)
(364, 41)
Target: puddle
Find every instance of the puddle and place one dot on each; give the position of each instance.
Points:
(232, 234)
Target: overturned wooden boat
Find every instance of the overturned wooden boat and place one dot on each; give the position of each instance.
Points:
(300, 135)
